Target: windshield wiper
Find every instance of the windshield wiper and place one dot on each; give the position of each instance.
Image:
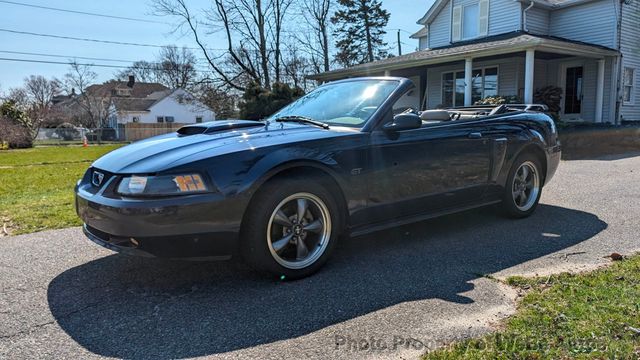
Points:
(302, 119)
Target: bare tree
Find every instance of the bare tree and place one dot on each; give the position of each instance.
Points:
(296, 68)
(317, 42)
(34, 98)
(41, 92)
(143, 71)
(174, 67)
(280, 9)
(253, 32)
(180, 10)
(91, 111)
(177, 67)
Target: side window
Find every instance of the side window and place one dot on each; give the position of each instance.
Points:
(160, 119)
(410, 100)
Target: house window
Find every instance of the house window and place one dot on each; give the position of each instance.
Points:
(169, 119)
(628, 82)
(470, 16)
(198, 119)
(160, 119)
(136, 119)
(484, 84)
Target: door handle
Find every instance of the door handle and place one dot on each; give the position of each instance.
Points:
(475, 135)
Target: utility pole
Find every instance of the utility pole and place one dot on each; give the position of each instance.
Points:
(399, 44)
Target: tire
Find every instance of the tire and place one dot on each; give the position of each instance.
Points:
(273, 240)
(520, 198)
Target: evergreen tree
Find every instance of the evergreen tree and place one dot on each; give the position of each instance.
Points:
(359, 30)
(259, 102)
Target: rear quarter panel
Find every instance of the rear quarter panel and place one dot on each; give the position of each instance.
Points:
(523, 131)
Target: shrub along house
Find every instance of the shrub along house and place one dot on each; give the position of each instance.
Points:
(472, 49)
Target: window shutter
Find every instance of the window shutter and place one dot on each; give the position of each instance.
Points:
(456, 23)
(483, 21)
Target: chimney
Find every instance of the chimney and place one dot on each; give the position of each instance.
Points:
(132, 81)
(73, 92)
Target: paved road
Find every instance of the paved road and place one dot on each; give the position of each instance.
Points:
(390, 294)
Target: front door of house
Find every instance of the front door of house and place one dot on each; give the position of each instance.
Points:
(573, 92)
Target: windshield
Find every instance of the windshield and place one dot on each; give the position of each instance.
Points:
(348, 103)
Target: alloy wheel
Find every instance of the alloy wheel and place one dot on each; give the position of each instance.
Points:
(299, 230)
(526, 186)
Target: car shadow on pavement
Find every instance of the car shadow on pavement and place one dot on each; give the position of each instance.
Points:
(128, 307)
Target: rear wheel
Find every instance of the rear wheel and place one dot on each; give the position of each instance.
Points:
(523, 188)
(291, 228)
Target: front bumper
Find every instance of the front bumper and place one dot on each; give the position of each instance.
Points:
(204, 226)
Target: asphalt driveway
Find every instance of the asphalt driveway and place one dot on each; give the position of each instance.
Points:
(390, 294)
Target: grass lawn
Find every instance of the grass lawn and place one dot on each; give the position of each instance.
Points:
(36, 186)
(585, 316)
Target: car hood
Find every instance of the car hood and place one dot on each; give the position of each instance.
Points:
(195, 142)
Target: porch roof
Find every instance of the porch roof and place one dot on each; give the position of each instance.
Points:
(491, 46)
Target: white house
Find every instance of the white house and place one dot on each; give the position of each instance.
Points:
(139, 102)
(471, 49)
(166, 106)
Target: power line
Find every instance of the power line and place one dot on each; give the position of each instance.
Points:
(87, 39)
(76, 57)
(117, 42)
(86, 64)
(64, 56)
(83, 12)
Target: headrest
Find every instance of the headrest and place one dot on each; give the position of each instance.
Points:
(435, 115)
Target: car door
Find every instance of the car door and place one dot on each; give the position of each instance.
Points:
(427, 170)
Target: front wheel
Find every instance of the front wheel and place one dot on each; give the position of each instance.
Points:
(523, 188)
(290, 228)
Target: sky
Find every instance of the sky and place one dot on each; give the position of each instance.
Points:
(152, 30)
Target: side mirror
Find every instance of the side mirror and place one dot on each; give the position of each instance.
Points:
(404, 121)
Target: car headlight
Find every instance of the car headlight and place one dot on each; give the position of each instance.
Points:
(162, 185)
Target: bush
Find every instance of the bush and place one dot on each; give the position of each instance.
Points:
(259, 102)
(552, 97)
(67, 132)
(499, 100)
(14, 136)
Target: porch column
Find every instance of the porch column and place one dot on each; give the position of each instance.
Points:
(599, 91)
(529, 64)
(468, 69)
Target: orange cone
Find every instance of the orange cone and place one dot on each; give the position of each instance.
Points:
(84, 142)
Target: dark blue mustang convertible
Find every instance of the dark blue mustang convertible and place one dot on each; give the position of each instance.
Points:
(346, 159)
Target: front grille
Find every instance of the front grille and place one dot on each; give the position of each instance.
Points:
(99, 178)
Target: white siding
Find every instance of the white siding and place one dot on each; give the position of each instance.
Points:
(184, 112)
(538, 21)
(504, 16)
(630, 47)
(593, 22)
(423, 43)
(440, 28)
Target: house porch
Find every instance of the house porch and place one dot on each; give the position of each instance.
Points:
(512, 64)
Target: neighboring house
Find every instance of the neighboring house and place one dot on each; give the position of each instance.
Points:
(132, 102)
(471, 49)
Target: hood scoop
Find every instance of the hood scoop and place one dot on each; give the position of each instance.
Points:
(217, 126)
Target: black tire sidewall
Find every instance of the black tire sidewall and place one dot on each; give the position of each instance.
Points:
(508, 205)
(253, 241)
